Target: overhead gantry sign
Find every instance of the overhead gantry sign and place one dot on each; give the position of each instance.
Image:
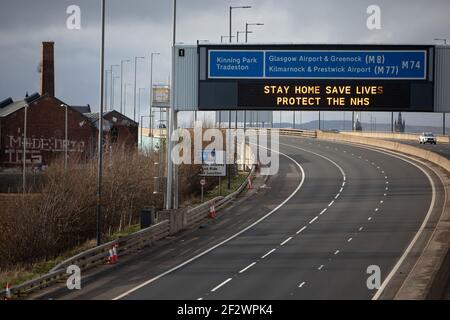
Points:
(316, 77)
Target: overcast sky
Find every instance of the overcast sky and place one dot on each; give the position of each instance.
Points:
(139, 27)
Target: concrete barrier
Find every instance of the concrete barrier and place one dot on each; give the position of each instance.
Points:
(390, 145)
(394, 135)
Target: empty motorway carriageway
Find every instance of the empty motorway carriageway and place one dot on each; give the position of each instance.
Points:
(338, 221)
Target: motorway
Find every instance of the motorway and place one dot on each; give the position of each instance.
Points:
(441, 148)
(332, 211)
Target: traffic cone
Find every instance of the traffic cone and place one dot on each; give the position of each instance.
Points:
(110, 259)
(212, 210)
(115, 254)
(8, 295)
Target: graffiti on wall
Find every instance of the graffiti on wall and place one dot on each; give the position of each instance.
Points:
(35, 147)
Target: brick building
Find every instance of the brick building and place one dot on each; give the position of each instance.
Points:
(45, 125)
(118, 129)
(45, 131)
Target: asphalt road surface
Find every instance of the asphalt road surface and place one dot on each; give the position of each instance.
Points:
(332, 211)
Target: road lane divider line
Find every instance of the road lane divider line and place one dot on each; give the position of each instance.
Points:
(268, 253)
(286, 241)
(349, 239)
(247, 267)
(320, 267)
(302, 284)
(313, 219)
(221, 285)
(322, 212)
(336, 252)
(299, 231)
(302, 181)
(331, 203)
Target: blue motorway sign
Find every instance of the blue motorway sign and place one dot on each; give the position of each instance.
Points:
(318, 64)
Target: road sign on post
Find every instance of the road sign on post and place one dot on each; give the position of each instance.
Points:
(202, 183)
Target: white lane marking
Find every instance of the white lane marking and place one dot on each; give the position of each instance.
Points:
(299, 231)
(200, 299)
(340, 190)
(387, 188)
(247, 267)
(331, 203)
(286, 241)
(387, 182)
(418, 233)
(337, 196)
(322, 212)
(222, 284)
(373, 163)
(376, 209)
(381, 201)
(349, 239)
(321, 266)
(228, 239)
(360, 228)
(268, 253)
(378, 167)
(369, 218)
(382, 171)
(343, 183)
(336, 252)
(385, 194)
(314, 219)
(302, 284)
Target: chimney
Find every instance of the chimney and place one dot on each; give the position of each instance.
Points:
(48, 69)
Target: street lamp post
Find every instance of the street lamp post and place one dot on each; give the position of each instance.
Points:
(239, 32)
(135, 89)
(246, 28)
(100, 130)
(113, 91)
(224, 37)
(230, 34)
(441, 39)
(125, 86)
(139, 103)
(65, 136)
(151, 95)
(121, 83)
(112, 85)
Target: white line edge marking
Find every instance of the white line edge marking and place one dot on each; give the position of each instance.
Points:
(331, 203)
(268, 253)
(301, 284)
(226, 240)
(286, 241)
(321, 266)
(349, 239)
(321, 212)
(200, 299)
(221, 285)
(247, 267)
(361, 228)
(336, 252)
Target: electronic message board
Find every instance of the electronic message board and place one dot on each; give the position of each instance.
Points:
(316, 77)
